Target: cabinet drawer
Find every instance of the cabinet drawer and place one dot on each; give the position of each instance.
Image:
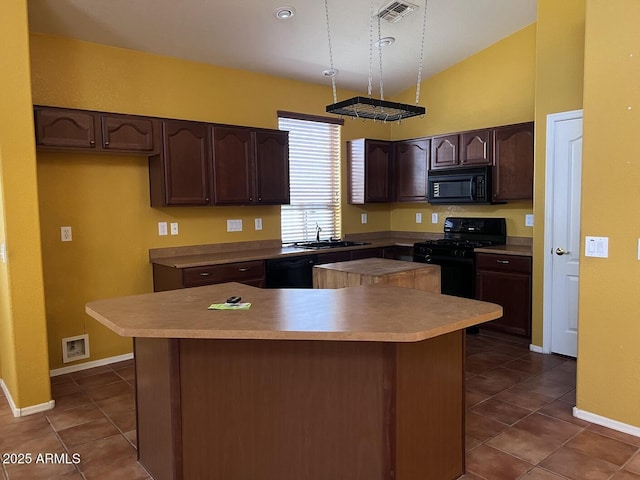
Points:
(505, 263)
(230, 272)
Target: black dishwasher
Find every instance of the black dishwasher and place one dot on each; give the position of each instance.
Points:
(296, 272)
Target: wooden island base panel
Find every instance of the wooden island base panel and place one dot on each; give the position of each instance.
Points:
(362, 382)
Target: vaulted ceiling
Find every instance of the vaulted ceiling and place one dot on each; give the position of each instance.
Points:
(246, 34)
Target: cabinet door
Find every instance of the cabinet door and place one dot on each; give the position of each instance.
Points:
(127, 133)
(444, 151)
(411, 163)
(232, 166)
(272, 167)
(476, 148)
(513, 175)
(506, 280)
(377, 171)
(57, 127)
(186, 159)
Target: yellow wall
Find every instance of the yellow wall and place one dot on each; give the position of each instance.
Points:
(105, 199)
(493, 87)
(559, 85)
(608, 353)
(23, 342)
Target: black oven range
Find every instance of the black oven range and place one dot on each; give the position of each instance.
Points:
(455, 252)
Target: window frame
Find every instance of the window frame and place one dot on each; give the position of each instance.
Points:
(325, 212)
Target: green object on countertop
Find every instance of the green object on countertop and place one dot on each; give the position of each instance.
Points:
(229, 306)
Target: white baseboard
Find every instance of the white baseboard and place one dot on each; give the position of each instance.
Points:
(87, 365)
(535, 348)
(21, 412)
(606, 422)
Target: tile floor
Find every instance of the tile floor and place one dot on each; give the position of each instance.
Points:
(519, 423)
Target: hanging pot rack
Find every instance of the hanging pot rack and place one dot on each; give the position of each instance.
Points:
(369, 107)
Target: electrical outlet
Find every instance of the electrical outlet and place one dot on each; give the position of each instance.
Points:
(65, 234)
(528, 220)
(234, 225)
(174, 228)
(3, 252)
(363, 218)
(162, 228)
(434, 218)
(258, 223)
(418, 217)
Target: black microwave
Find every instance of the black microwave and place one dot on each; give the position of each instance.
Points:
(460, 185)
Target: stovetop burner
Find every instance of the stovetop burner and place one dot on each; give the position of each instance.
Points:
(462, 235)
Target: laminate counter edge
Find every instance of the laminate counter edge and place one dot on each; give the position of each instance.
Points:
(378, 312)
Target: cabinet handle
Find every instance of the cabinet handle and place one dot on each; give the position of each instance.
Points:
(503, 261)
(92, 142)
(243, 269)
(106, 144)
(205, 274)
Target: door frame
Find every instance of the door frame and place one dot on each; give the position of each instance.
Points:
(552, 120)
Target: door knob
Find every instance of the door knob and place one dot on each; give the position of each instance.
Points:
(560, 251)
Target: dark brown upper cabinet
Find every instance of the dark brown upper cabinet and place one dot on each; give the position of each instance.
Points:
(445, 151)
(181, 176)
(250, 166)
(476, 148)
(272, 167)
(128, 133)
(513, 157)
(70, 129)
(410, 167)
(66, 128)
(369, 164)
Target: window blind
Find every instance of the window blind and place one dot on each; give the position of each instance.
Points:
(314, 179)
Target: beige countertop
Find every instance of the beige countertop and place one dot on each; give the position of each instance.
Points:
(185, 258)
(509, 249)
(377, 312)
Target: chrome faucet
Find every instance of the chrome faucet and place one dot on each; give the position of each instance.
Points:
(318, 230)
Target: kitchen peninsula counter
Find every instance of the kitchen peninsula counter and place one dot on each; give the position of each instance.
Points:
(359, 382)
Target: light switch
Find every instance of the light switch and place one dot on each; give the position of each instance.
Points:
(434, 218)
(363, 218)
(596, 247)
(234, 225)
(258, 223)
(418, 217)
(174, 228)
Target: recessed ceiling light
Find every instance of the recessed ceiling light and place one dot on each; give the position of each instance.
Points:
(385, 42)
(284, 13)
(330, 72)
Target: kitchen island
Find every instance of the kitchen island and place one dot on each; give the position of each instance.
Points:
(363, 382)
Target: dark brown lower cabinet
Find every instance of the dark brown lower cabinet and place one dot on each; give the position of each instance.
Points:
(169, 278)
(506, 280)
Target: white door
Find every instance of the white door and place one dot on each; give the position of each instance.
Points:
(562, 232)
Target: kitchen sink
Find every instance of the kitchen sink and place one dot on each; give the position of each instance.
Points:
(328, 244)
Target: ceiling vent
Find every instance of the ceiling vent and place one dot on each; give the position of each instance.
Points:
(395, 11)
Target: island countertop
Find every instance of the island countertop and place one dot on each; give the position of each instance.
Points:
(378, 312)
